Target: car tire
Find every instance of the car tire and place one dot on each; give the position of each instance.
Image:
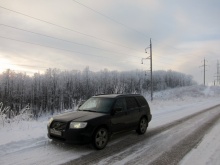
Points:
(142, 126)
(100, 138)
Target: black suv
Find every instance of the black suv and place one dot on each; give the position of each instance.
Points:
(99, 117)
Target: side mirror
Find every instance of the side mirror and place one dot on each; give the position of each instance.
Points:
(116, 110)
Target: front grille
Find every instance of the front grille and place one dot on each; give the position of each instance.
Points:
(57, 125)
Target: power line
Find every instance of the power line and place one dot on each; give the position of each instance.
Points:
(76, 42)
(71, 51)
(115, 21)
(67, 40)
(64, 49)
(66, 28)
(111, 19)
(31, 66)
(88, 35)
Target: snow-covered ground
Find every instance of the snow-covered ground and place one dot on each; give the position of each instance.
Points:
(208, 151)
(168, 106)
(173, 104)
(23, 130)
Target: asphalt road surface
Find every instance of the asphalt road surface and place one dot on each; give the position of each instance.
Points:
(166, 144)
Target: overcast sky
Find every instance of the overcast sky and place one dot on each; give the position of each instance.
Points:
(113, 34)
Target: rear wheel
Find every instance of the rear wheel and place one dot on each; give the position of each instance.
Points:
(142, 126)
(100, 138)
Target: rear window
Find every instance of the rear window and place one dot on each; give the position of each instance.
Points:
(131, 103)
(142, 101)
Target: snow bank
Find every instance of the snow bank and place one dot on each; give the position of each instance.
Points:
(180, 93)
(174, 98)
(173, 104)
(22, 130)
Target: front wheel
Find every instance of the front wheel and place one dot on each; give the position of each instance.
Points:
(100, 138)
(142, 126)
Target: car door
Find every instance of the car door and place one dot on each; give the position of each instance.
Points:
(132, 112)
(119, 118)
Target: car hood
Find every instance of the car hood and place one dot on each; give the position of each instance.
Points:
(78, 116)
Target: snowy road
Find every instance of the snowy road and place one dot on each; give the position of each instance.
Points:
(162, 145)
(166, 142)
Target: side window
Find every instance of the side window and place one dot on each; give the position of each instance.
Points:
(131, 103)
(120, 103)
(142, 101)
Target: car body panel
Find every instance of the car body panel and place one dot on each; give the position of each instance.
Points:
(114, 122)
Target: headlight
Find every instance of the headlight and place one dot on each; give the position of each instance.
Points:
(50, 121)
(77, 125)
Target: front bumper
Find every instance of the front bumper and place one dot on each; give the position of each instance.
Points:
(75, 136)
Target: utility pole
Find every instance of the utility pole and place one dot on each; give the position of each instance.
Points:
(151, 67)
(204, 71)
(151, 70)
(218, 74)
(204, 65)
(217, 77)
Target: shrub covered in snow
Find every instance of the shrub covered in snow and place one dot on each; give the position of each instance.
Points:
(24, 115)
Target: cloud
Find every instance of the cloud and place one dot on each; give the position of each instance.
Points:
(182, 32)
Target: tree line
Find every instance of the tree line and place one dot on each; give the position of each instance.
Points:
(56, 90)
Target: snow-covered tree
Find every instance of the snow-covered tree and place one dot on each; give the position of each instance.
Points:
(57, 90)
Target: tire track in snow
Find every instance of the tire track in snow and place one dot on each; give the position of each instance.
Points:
(22, 145)
(132, 143)
(178, 151)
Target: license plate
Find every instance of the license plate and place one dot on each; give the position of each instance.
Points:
(55, 132)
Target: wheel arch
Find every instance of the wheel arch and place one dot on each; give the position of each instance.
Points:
(95, 143)
(100, 126)
(144, 116)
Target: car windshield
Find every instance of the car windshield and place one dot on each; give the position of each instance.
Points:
(96, 104)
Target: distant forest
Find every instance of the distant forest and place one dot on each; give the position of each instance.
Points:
(56, 90)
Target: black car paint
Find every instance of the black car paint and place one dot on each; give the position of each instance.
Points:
(80, 135)
(114, 122)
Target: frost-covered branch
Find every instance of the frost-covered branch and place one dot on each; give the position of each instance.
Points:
(56, 90)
